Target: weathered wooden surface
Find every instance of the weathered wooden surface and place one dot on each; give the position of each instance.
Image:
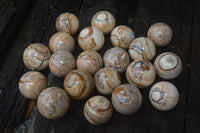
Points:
(193, 93)
(184, 20)
(6, 12)
(13, 14)
(12, 104)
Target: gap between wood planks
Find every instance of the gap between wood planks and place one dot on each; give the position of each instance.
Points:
(189, 69)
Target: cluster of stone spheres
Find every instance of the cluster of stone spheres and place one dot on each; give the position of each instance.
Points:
(87, 71)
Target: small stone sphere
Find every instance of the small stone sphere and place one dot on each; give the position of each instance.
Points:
(160, 33)
(53, 102)
(32, 84)
(168, 65)
(78, 84)
(126, 99)
(141, 73)
(61, 63)
(89, 61)
(122, 36)
(116, 57)
(61, 41)
(106, 80)
(98, 110)
(142, 48)
(91, 38)
(67, 22)
(164, 96)
(104, 21)
(36, 56)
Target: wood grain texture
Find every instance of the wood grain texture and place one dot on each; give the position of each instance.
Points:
(13, 15)
(7, 11)
(184, 117)
(192, 117)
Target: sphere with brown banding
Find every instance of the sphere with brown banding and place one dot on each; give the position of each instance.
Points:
(98, 110)
(31, 84)
(61, 63)
(116, 57)
(160, 33)
(104, 21)
(79, 84)
(61, 41)
(67, 22)
(122, 36)
(141, 73)
(53, 102)
(126, 99)
(91, 38)
(106, 80)
(168, 65)
(164, 96)
(36, 56)
(89, 61)
(141, 48)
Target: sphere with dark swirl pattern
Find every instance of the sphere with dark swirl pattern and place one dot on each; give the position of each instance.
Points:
(67, 22)
(164, 96)
(91, 38)
(79, 84)
(36, 56)
(116, 57)
(32, 83)
(106, 80)
(89, 61)
(104, 21)
(126, 99)
(141, 73)
(168, 65)
(98, 110)
(61, 63)
(53, 103)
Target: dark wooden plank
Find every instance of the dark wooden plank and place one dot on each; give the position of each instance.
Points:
(13, 15)
(193, 114)
(7, 10)
(6, 71)
(147, 119)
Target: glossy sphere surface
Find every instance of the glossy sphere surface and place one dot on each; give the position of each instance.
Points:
(126, 99)
(141, 48)
(168, 65)
(89, 61)
(104, 21)
(164, 96)
(160, 33)
(140, 73)
(122, 36)
(98, 110)
(67, 22)
(53, 103)
(106, 80)
(61, 63)
(36, 56)
(117, 58)
(61, 41)
(32, 84)
(79, 84)
(91, 38)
